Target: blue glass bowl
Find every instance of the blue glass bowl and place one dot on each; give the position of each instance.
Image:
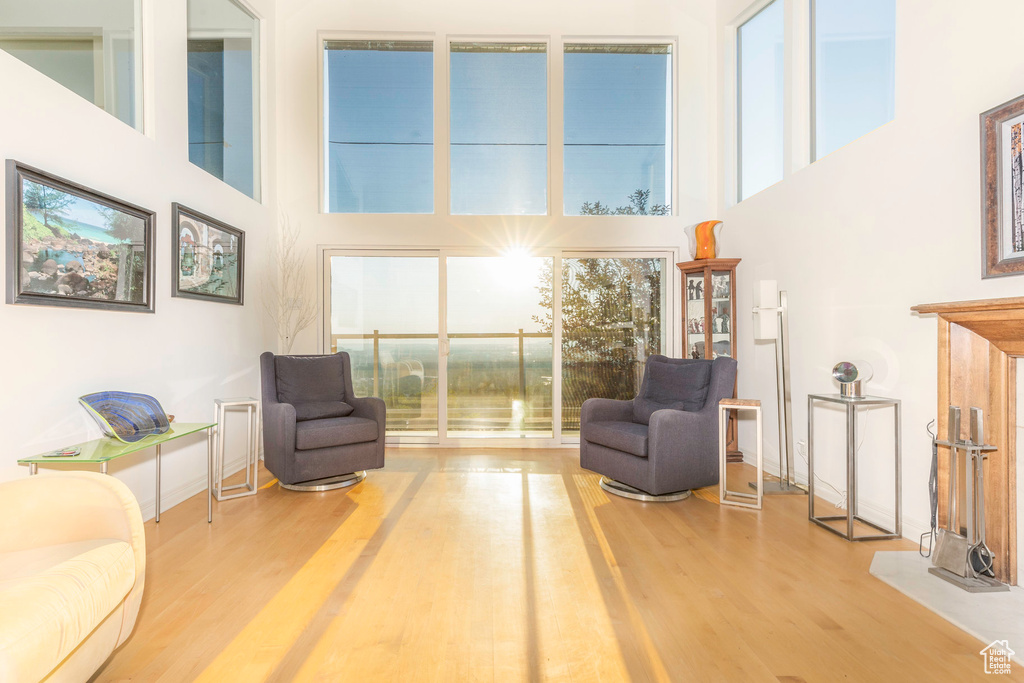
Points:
(126, 416)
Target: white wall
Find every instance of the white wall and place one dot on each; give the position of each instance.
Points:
(189, 352)
(889, 221)
(691, 21)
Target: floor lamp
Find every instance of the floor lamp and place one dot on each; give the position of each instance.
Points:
(771, 322)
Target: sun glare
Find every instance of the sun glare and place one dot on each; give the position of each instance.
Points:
(516, 268)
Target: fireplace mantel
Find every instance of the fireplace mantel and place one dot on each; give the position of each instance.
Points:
(977, 344)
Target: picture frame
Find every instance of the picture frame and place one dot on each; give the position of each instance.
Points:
(208, 258)
(1002, 189)
(69, 245)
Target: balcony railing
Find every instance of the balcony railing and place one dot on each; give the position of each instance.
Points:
(377, 337)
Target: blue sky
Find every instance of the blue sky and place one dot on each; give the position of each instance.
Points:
(379, 151)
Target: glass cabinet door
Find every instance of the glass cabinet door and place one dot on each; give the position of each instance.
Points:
(721, 321)
(695, 324)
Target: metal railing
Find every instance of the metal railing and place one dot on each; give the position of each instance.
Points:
(377, 336)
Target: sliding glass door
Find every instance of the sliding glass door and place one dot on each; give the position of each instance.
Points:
(612, 319)
(500, 351)
(463, 346)
(384, 312)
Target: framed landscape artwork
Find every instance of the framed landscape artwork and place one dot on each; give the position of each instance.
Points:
(209, 258)
(68, 245)
(1002, 179)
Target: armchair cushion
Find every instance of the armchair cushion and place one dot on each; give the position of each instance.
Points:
(318, 410)
(628, 437)
(310, 379)
(680, 385)
(334, 431)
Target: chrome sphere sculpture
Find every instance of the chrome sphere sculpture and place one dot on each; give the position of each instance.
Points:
(850, 376)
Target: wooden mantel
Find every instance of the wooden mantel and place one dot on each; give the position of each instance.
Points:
(978, 341)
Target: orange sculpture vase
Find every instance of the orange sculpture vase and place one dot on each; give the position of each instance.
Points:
(705, 236)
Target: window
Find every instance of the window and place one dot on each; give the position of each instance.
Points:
(378, 126)
(499, 127)
(384, 313)
(223, 93)
(612, 321)
(463, 344)
(759, 93)
(618, 129)
(92, 51)
(853, 53)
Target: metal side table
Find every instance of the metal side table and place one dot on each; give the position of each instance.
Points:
(252, 447)
(851, 404)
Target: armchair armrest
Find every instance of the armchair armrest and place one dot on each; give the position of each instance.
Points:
(278, 434)
(66, 507)
(685, 445)
(606, 410)
(371, 408)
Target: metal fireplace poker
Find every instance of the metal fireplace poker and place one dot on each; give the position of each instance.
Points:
(964, 561)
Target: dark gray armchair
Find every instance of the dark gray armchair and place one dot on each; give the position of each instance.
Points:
(316, 434)
(665, 441)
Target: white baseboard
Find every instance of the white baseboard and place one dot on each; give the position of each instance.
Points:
(913, 527)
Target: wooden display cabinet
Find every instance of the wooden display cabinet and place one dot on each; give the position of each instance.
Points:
(709, 318)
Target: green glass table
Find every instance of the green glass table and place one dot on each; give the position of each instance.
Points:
(101, 451)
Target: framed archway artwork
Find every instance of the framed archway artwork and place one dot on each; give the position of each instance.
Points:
(209, 258)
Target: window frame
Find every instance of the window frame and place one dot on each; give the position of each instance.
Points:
(547, 41)
(812, 75)
(749, 15)
(103, 40)
(673, 119)
(442, 113)
(259, 95)
(323, 37)
(799, 134)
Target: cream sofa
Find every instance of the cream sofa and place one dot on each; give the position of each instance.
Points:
(72, 570)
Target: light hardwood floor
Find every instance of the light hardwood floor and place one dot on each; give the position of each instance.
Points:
(514, 565)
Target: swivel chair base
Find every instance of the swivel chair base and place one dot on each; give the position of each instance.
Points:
(627, 491)
(327, 483)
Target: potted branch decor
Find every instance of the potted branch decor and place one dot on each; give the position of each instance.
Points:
(286, 298)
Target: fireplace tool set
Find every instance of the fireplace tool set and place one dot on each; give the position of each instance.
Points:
(962, 559)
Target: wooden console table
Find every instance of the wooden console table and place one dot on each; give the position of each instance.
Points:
(102, 451)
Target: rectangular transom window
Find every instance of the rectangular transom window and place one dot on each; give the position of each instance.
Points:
(91, 48)
(759, 97)
(223, 93)
(499, 128)
(853, 52)
(618, 129)
(378, 126)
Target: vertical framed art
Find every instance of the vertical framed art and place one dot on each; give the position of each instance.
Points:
(208, 258)
(1002, 189)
